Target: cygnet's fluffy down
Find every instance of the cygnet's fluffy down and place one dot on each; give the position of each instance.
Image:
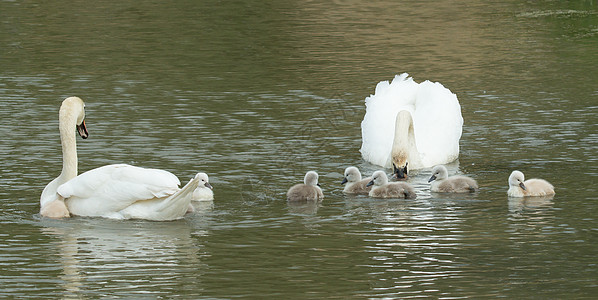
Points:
(384, 189)
(442, 183)
(519, 187)
(203, 192)
(309, 190)
(353, 182)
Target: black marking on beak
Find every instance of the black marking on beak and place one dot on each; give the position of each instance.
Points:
(370, 183)
(432, 178)
(82, 130)
(401, 173)
(344, 180)
(208, 185)
(522, 186)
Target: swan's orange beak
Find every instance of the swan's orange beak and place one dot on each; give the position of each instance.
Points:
(82, 130)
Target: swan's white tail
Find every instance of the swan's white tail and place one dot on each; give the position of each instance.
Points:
(178, 203)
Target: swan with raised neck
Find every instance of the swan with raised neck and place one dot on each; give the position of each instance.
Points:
(71, 115)
(116, 191)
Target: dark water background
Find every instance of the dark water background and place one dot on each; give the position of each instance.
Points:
(255, 94)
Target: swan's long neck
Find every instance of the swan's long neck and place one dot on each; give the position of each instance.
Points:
(403, 146)
(67, 125)
(52, 204)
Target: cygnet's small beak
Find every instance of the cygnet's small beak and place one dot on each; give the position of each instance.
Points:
(370, 183)
(344, 180)
(432, 178)
(318, 184)
(522, 186)
(82, 130)
(208, 185)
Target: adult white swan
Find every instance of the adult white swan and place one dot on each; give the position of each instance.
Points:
(410, 123)
(114, 191)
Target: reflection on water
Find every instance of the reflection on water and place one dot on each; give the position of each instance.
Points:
(304, 208)
(125, 258)
(255, 94)
(519, 206)
(410, 247)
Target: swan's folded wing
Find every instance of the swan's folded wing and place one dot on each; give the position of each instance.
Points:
(438, 119)
(114, 187)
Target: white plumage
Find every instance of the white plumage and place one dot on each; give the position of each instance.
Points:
(114, 191)
(126, 192)
(433, 135)
(203, 192)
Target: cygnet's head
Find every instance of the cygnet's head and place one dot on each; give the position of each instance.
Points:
(439, 172)
(516, 179)
(311, 178)
(352, 174)
(204, 181)
(378, 178)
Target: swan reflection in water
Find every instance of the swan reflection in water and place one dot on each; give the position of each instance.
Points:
(125, 255)
(304, 207)
(518, 205)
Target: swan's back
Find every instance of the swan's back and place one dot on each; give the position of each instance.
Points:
(436, 114)
(112, 188)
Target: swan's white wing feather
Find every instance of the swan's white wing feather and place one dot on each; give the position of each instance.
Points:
(378, 125)
(112, 188)
(437, 123)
